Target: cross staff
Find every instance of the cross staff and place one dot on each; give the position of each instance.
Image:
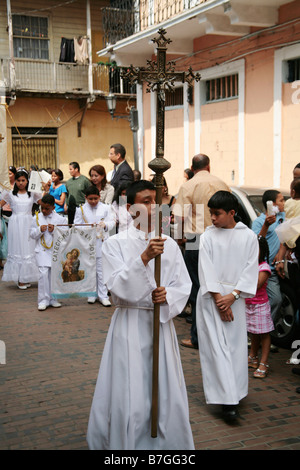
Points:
(159, 76)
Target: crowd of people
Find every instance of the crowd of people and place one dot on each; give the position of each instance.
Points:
(227, 272)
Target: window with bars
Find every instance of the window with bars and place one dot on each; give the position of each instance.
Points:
(293, 70)
(222, 88)
(175, 97)
(30, 37)
(36, 147)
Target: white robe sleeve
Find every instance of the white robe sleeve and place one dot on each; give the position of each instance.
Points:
(247, 282)
(208, 277)
(110, 220)
(36, 197)
(78, 218)
(35, 232)
(130, 282)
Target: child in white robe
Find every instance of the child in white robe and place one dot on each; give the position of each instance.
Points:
(41, 231)
(228, 273)
(120, 416)
(96, 212)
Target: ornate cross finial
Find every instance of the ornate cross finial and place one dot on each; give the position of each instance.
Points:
(160, 77)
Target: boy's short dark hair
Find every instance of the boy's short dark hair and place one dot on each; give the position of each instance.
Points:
(137, 187)
(92, 189)
(48, 199)
(223, 200)
(75, 165)
(269, 195)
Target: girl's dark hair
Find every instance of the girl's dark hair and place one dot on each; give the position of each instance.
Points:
(264, 251)
(92, 189)
(137, 187)
(13, 169)
(58, 173)
(101, 171)
(18, 174)
(223, 200)
(120, 189)
(189, 173)
(164, 183)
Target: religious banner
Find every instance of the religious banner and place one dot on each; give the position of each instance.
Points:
(73, 272)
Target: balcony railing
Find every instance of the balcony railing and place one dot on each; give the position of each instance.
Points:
(126, 17)
(59, 78)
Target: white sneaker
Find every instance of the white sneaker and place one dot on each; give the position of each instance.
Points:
(92, 300)
(105, 302)
(55, 304)
(24, 287)
(42, 307)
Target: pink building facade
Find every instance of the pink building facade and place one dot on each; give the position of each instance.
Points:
(245, 111)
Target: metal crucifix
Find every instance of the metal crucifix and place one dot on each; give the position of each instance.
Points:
(160, 77)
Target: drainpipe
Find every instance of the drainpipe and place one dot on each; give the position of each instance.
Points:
(91, 98)
(89, 45)
(12, 72)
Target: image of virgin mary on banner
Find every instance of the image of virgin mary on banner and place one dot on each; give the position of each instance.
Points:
(73, 271)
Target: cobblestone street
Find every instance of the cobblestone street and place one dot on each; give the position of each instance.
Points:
(52, 361)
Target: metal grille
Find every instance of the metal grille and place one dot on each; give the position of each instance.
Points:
(222, 88)
(175, 97)
(118, 21)
(34, 150)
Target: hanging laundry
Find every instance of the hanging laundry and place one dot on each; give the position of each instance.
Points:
(67, 52)
(81, 50)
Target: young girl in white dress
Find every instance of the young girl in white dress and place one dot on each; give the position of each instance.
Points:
(258, 315)
(20, 266)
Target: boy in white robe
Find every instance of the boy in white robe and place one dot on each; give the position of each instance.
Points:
(41, 231)
(96, 212)
(228, 273)
(120, 416)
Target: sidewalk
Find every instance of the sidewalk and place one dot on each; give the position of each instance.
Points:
(52, 362)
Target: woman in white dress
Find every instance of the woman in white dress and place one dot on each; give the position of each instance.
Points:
(20, 266)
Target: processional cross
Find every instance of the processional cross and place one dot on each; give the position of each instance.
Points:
(160, 77)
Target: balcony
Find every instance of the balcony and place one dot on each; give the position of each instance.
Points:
(57, 78)
(126, 17)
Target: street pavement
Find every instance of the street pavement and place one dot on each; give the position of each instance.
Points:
(51, 366)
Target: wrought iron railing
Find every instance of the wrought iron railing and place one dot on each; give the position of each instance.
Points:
(62, 77)
(125, 17)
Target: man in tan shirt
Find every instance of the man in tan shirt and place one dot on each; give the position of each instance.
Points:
(191, 209)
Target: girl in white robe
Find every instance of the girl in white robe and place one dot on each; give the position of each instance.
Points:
(96, 212)
(228, 267)
(120, 416)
